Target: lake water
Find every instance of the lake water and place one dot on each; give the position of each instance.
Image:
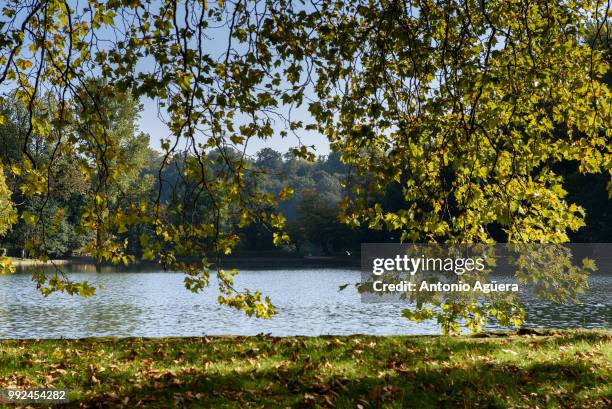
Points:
(156, 304)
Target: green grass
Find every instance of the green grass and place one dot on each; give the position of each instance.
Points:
(558, 369)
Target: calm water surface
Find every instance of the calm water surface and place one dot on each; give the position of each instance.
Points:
(156, 304)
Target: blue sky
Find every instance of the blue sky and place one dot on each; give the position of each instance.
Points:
(152, 125)
(216, 46)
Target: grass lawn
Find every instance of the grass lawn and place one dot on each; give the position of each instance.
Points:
(557, 369)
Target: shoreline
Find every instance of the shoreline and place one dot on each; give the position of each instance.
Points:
(27, 262)
(227, 262)
(491, 335)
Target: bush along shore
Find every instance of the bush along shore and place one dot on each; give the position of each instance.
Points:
(548, 369)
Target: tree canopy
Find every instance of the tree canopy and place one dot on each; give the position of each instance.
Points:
(467, 106)
(7, 209)
(7, 217)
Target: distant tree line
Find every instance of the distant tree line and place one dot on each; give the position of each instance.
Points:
(313, 210)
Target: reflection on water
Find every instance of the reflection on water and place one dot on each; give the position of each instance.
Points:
(139, 303)
(593, 311)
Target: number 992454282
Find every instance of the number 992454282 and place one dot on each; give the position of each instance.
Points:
(14, 395)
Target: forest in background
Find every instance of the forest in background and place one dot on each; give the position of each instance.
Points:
(312, 209)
